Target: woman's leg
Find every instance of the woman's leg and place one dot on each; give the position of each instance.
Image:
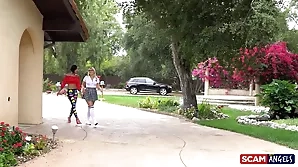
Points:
(88, 115)
(70, 95)
(92, 114)
(73, 96)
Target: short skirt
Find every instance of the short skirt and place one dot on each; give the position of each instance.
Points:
(90, 94)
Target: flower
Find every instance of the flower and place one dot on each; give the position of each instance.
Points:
(1, 149)
(28, 138)
(2, 123)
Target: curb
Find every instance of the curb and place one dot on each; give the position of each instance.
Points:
(167, 113)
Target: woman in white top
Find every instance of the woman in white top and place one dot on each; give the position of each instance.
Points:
(89, 89)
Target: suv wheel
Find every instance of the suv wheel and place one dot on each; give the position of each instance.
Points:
(163, 91)
(133, 90)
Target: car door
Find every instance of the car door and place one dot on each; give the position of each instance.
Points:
(142, 84)
(150, 84)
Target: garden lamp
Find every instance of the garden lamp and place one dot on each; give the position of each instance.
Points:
(54, 131)
(102, 83)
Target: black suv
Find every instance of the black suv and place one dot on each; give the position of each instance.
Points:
(137, 84)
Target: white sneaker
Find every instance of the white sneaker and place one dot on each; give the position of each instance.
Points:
(88, 123)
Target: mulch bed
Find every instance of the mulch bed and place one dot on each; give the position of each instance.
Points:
(50, 146)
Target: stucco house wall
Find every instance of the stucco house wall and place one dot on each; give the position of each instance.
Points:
(21, 64)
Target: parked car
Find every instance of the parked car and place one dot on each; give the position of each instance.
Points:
(137, 84)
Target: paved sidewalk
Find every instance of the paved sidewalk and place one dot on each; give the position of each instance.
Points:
(129, 137)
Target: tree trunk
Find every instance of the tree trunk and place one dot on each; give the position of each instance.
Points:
(184, 73)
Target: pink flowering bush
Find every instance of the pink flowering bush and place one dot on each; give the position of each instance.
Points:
(266, 63)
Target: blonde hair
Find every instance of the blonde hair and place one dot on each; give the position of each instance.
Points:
(92, 68)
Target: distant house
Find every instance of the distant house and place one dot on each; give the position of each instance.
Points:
(27, 27)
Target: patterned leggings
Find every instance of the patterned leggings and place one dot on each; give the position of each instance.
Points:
(72, 95)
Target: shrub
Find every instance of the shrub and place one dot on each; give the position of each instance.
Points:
(205, 111)
(164, 104)
(208, 111)
(187, 112)
(7, 159)
(48, 85)
(282, 99)
(12, 138)
(53, 87)
(148, 103)
(15, 143)
(273, 61)
(167, 102)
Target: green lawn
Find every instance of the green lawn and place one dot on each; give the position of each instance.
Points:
(279, 136)
(129, 101)
(288, 121)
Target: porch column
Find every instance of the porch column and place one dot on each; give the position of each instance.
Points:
(206, 84)
(257, 90)
(251, 86)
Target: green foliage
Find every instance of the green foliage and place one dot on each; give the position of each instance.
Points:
(279, 136)
(205, 111)
(14, 142)
(281, 97)
(48, 85)
(148, 52)
(197, 29)
(212, 28)
(7, 159)
(163, 104)
(12, 138)
(111, 66)
(29, 149)
(187, 112)
(208, 111)
(104, 42)
(121, 85)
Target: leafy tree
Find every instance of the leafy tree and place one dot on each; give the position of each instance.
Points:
(148, 50)
(271, 62)
(105, 36)
(200, 29)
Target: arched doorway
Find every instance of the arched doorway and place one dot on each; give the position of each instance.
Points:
(26, 65)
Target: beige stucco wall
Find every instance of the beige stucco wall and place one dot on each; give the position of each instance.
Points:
(21, 40)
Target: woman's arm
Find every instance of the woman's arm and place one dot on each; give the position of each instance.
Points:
(78, 83)
(64, 82)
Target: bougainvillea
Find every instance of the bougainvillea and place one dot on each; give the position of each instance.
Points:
(264, 63)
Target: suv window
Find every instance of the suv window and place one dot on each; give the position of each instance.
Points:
(150, 81)
(141, 81)
(138, 80)
(132, 80)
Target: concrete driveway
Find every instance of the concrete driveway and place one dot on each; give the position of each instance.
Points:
(129, 137)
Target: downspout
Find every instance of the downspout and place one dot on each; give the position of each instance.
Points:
(47, 36)
(52, 43)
